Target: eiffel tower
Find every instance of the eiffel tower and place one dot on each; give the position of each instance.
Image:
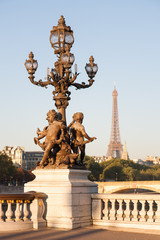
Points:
(115, 148)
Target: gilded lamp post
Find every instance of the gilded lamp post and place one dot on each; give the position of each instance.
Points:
(64, 143)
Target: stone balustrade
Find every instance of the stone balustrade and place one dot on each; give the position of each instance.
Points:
(126, 210)
(22, 211)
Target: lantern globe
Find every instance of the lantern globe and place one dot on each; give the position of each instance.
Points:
(61, 36)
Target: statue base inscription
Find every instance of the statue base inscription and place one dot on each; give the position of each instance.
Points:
(68, 202)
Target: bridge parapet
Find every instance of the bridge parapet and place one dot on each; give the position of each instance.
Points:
(126, 210)
(22, 211)
(113, 187)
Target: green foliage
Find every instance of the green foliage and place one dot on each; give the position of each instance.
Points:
(121, 170)
(94, 167)
(7, 169)
(112, 172)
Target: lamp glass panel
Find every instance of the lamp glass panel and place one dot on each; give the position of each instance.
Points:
(56, 46)
(65, 58)
(35, 65)
(68, 38)
(28, 65)
(95, 68)
(54, 38)
(71, 58)
(88, 68)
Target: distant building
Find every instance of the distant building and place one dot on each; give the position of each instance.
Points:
(15, 153)
(149, 161)
(30, 159)
(139, 161)
(100, 159)
(21, 158)
(154, 159)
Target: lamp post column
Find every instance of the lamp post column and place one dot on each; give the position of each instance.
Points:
(61, 102)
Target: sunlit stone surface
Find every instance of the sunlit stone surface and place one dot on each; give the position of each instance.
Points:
(68, 202)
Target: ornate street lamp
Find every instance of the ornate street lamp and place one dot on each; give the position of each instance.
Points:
(61, 40)
(61, 36)
(61, 76)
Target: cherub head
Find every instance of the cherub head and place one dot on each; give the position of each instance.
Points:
(51, 116)
(78, 117)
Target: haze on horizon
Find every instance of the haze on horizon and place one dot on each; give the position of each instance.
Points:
(124, 39)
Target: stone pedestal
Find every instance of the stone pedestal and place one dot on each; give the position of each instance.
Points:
(68, 202)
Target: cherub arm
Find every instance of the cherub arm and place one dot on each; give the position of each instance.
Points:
(40, 134)
(86, 135)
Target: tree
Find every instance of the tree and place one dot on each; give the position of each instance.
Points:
(23, 175)
(130, 173)
(94, 167)
(7, 169)
(112, 172)
(146, 175)
(127, 170)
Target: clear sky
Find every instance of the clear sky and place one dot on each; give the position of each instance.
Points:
(124, 38)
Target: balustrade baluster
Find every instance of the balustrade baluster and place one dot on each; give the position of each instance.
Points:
(154, 210)
(18, 212)
(1, 211)
(112, 210)
(143, 211)
(9, 212)
(134, 214)
(127, 212)
(154, 205)
(25, 210)
(119, 214)
(150, 211)
(157, 213)
(106, 209)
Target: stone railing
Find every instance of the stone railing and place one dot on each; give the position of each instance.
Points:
(126, 210)
(22, 211)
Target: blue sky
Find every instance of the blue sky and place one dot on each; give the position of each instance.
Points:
(124, 38)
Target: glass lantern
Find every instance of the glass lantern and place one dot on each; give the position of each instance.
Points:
(91, 68)
(31, 64)
(68, 59)
(61, 36)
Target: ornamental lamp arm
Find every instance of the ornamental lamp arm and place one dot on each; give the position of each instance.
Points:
(83, 84)
(40, 82)
(71, 80)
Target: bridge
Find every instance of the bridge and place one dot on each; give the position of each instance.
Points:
(120, 187)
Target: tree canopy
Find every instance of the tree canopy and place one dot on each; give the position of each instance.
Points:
(94, 167)
(9, 171)
(121, 170)
(112, 170)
